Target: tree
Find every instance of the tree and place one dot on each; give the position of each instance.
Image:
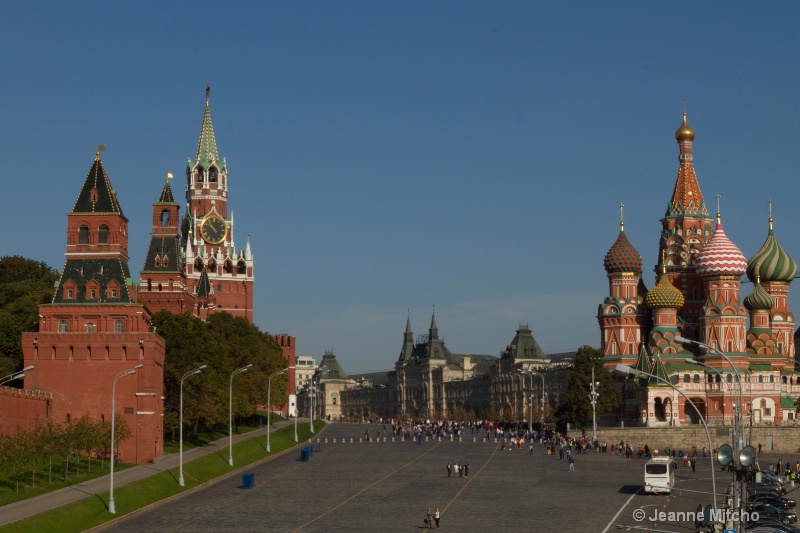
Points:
(577, 406)
(24, 284)
(224, 343)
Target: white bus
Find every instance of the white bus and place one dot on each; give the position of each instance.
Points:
(659, 475)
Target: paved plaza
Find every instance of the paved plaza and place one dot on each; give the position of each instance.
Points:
(388, 486)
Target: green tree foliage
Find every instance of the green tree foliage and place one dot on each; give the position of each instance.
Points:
(24, 284)
(577, 406)
(224, 343)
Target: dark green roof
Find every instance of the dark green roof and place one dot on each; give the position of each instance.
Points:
(204, 285)
(97, 195)
(166, 195)
(330, 368)
(102, 271)
(760, 366)
(524, 346)
(787, 403)
(164, 248)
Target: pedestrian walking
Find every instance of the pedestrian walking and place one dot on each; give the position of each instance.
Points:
(466, 469)
(436, 516)
(429, 518)
(693, 462)
(571, 464)
(449, 469)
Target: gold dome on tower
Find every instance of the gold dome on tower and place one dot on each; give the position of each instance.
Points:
(684, 133)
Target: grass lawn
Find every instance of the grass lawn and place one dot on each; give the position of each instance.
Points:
(93, 511)
(45, 482)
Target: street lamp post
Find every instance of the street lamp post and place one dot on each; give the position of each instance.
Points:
(311, 419)
(230, 412)
(180, 423)
(736, 431)
(630, 370)
(112, 508)
(543, 398)
(721, 380)
(269, 402)
(530, 419)
(593, 396)
(15, 375)
(296, 410)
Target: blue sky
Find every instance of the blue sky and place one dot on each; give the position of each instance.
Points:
(386, 157)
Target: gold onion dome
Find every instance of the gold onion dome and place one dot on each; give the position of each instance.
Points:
(664, 295)
(684, 133)
(771, 263)
(759, 299)
(622, 256)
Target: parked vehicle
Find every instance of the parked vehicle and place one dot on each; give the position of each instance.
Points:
(770, 511)
(772, 499)
(768, 486)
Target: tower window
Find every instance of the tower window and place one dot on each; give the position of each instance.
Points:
(119, 326)
(103, 235)
(62, 326)
(241, 268)
(83, 235)
(212, 175)
(199, 174)
(164, 218)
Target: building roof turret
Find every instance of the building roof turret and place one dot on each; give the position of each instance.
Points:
(720, 257)
(771, 263)
(622, 256)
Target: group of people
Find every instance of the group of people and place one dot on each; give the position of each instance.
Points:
(433, 517)
(788, 470)
(461, 469)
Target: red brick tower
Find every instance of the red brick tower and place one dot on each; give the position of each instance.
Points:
(162, 282)
(93, 330)
(207, 232)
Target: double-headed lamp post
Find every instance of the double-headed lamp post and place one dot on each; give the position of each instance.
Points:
(593, 396)
(269, 401)
(530, 420)
(180, 423)
(230, 412)
(112, 508)
(15, 375)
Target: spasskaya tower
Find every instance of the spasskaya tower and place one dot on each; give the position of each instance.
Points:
(218, 275)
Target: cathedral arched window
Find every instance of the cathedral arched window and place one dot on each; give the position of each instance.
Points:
(686, 378)
(83, 235)
(696, 378)
(165, 218)
(103, 234)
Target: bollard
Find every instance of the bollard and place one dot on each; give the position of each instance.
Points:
(351, 440)
(474, 439)
(392, 439)
(248, 481)
(384, 439)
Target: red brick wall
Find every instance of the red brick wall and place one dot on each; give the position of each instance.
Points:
(19, 407)
(78, 369)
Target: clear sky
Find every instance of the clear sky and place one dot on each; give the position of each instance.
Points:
(386, 157)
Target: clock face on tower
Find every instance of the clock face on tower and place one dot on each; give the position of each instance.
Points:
(213, 229)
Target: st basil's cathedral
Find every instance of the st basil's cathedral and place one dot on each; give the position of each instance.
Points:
(691, 329)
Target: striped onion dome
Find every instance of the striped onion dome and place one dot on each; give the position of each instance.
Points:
(759, 299)
(622, 256)
(771, 263)
(664, 295)
(720, 257)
